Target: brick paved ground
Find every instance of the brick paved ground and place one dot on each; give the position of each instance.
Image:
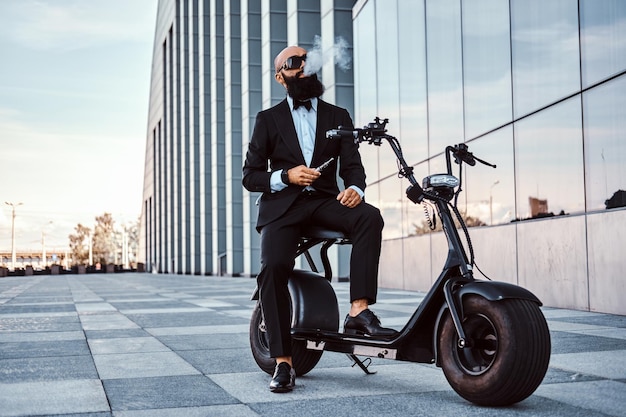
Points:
(134, 345)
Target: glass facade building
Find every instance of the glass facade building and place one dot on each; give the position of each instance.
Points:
(536, 87)
(212, 72)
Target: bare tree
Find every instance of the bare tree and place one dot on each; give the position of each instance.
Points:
(104, 242)
(79, 245)
(109, 244)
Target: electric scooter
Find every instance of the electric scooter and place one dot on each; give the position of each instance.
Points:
(490, 338)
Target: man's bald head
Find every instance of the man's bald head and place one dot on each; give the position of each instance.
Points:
(286, 53)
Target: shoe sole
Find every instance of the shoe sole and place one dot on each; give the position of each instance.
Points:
(362, 333)
(356, 332)
(281, 390)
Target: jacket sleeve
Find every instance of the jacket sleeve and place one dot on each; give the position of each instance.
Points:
(351, 168)
(256, 175)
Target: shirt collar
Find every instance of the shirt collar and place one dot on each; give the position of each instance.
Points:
(313, 103)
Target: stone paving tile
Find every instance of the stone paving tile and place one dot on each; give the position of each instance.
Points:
(39, 324)
(205, 341)
(12, 350)
(126, 345)
(205, 318)
(47, 369)
(218, 361)
(16, 337)
(607, 397)
(608, 364)
(165, 392)
(52, 397)
(141, 365)
(428, 404)
(236, 410)
(107, 321)
(566, 342)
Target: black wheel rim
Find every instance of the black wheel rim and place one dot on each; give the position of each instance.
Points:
(481, 348)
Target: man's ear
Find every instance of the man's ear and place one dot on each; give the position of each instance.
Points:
(279, 77)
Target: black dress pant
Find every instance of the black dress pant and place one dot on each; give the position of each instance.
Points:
(363, 224)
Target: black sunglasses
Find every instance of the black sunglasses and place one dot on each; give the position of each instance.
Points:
(293, 62)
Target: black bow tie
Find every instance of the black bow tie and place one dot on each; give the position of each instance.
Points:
(307, 104)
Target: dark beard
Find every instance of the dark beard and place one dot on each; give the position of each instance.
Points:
(304, 88)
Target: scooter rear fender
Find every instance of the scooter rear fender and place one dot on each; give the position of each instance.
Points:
(313, 301)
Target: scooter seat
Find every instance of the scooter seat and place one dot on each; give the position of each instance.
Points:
(319, 232)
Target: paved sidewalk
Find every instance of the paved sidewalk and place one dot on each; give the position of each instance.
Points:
(135, 345)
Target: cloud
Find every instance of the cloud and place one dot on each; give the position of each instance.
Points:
(74, 24)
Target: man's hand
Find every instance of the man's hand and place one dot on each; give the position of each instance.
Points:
(302, 175)
(349, 198)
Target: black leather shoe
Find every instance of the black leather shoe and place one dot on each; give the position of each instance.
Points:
(284, 378)
(366, 323)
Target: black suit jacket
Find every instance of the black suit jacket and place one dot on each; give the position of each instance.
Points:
(274, 146)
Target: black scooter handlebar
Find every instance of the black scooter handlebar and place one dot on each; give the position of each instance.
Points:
(374, 133)
(341, 133)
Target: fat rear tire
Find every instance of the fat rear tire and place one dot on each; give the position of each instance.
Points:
(303, 359)
(508, 354)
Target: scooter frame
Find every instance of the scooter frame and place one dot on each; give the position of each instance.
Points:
(418, 339)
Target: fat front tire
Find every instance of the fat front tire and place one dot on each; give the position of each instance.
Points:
(303, 359)
(507, 354)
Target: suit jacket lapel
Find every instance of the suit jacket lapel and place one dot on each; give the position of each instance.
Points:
(286, 129)
(323, 120)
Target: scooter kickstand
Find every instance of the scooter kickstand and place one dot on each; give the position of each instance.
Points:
(364, 365)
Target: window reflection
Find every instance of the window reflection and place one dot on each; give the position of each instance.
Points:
(390, 205)
(602, 39)
(490, 193)
(545, 52)
(445, 92)
(549, 162)
(413, 219)
(387, 82)
(486, 66)
(605, 144)
(366, 98)
(412, 124)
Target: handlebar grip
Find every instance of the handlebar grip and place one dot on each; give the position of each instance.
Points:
(469, 159)
(341, 133)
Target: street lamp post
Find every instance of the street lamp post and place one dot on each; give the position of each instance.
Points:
(43, 245)
(496, 182)
(90, 249)
(13, 257)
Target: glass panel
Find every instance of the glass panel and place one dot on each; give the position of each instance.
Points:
(602, 39)
(391, 204)
(413, 124)
(365, 81)
(490, 192)
(486, 66)
(546, 60)
(445, 95)
(549, 162)
(386, 53)
(605, 147)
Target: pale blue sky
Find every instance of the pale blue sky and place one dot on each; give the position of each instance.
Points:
(74, 90)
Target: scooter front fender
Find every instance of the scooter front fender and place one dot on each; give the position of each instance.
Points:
(495, 291)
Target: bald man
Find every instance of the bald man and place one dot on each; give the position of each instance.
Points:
(291, 137)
